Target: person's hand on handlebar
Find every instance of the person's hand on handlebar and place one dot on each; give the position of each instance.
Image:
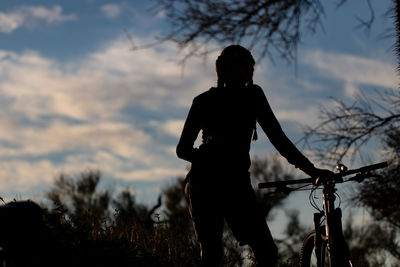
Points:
(318, 174)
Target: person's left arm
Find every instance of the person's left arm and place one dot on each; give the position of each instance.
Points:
(278, 138)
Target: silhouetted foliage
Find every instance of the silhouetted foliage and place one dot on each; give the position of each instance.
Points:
(180, 225)
(84, 206)
(345, 130)
(382, 194)
(370, 244)
(89, 227)
(268, 171)
(271, 26)
(294, 236)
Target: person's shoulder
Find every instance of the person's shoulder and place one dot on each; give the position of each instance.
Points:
(256, 90)
(205, 96)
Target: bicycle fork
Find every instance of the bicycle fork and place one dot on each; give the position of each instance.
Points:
(318, 239)
(338, 251)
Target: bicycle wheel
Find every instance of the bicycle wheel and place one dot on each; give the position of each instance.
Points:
(308, 255)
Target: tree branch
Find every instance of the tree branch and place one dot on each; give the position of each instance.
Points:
(348, 128)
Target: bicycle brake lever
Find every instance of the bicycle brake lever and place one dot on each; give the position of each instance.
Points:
(359, 177)
(284, 189)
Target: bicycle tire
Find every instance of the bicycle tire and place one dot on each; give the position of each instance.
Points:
(307, 254)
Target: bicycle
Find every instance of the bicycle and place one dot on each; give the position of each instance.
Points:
(325, 245)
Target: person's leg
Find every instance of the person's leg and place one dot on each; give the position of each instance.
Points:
(208, 223)
(209, 234)
(211, 252)
(245, 218)
(264, 249)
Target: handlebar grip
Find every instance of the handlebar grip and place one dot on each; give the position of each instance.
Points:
(379, 165)
(368, 168)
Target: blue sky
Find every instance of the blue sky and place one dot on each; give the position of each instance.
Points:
(74, 96)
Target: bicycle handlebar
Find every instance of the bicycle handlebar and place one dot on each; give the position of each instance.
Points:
(283, 184)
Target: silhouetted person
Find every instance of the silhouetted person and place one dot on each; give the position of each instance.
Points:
(219, 185)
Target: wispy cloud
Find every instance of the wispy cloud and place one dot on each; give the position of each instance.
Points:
(18, 175)
(29, 16)
(299, 114)
(171, 127)
(111, 11)
(298, 99)
(88, 113)
(10, 22)
(353, 70)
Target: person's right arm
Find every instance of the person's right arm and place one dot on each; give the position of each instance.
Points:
(191, 129)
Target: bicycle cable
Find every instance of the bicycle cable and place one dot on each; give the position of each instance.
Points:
(302, 188)
(312, 198)
(339, 198)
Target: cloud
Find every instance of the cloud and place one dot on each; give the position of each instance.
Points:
(353, 70)
(60, 137)
(48, 15)
(18, 174)
(10, 22)
(111, 11)
(298, 99)
(98, 86)
(172, 127)
(29, 16)
(300, 115)
(155, 174)
(91, 113)
(351, 89)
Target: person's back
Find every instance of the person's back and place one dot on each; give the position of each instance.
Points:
(228, 121)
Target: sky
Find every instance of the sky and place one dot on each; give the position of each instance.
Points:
(75, 96)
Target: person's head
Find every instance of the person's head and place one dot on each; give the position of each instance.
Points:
(235, 67)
